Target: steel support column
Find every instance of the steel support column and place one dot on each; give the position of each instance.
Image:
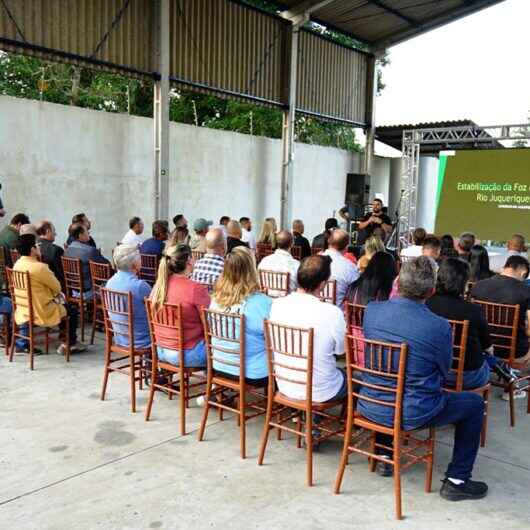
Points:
(161, 112)
(289, 117)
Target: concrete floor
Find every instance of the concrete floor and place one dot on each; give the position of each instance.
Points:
(70, 461)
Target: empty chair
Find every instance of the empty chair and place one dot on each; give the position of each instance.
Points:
(75, 294)
(100, 273)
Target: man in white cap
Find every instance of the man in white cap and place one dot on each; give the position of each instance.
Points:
(198, 241)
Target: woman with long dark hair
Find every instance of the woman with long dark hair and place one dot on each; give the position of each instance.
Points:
(479, 263)
(375, 283)
(448, 249)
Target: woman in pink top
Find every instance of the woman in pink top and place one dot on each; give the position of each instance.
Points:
(173, 286)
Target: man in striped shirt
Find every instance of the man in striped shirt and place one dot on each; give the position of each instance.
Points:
(210, 267)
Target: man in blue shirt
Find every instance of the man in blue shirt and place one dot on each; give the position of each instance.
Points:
(155, 245)
(407, 319)
(127, 260)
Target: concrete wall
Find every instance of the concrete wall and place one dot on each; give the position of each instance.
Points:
(427, 185)
(57, 160)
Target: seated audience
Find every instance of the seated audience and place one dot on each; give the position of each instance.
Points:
(198, 241)
(9, 235)
(418, 237)
(299, 239)
(50, 252)
(155, 245)
(516, 246)
(406, 319)
(448, 302)
(373, 244)
(448, 249)
(431, 248)
(80, 218)
(208, 269)
(248, 235)
(48, 302)
(479, 263)
(180, 221)
(267, 235)
(466, 241)
(233, 229)
(508, 288)
(128, 264)
(173, 286)
(28, 229)
(375, 282)
(134, 235)
(181, 234)
(342, 270)
(377, 218)
(304, 309)
(82, 249)
(282, 260)
(321, 241)
(223, 221)
(238, 291)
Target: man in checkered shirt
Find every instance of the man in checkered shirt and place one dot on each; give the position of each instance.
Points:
(210, 267)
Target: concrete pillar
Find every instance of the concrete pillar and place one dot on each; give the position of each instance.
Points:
(371, 93)
(161, 112)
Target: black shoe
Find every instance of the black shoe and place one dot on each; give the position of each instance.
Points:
(504, 372)
(384, 470)
(470, 489)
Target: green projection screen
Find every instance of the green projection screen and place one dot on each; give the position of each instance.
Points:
(486, 192)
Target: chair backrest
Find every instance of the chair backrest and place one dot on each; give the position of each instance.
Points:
(329, 292)
(73, 276)
(197, 255)
(149, 267)
(503, 321)
(20, 289)
(166, 319)
(262, 250)
(377, 366)
(100, 274)
(274, 284)
(15, 254)
(354, 316)
(460, 331)
(118, 317)
(3, 264)
(229, 328)
(296, 252)
(316, 250)
(290, 356)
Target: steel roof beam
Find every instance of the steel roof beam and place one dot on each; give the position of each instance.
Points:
(394, 12)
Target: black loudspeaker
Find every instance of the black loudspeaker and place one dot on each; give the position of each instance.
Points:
(357, 191)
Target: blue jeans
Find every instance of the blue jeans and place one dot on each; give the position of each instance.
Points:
(465, 411)
(472, 378)
(194, 357)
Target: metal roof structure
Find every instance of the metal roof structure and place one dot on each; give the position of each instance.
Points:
(228, 48)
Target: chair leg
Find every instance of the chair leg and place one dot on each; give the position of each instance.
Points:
(430, 461)
(31, 354)
(397, 479)
(132, 382)
(12, 345)
(485, 397)
(182, 403)
(47, 340)
(372, 462)
(345, 453)
(82, 315)
(299, 435)
(266, 429)
(141, 363)
(204, 418)
(242, 425)
(278, 421)
(154, 379)
(309, 445)
(105, 374)
(528, 401)
(94, 318)
(511, 391)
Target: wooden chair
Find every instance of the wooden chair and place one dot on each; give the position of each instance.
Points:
(387, 362)
(274, 284)
(460, 330)
(169, 318)
(290, 359)
(128, 360)
(22, 298)
(296, 252)
(14, 255)
(329, 292)
(263, 250)
(3, 276)
(74, 281)
(503, 320)
(316, 250)
(354, 316)
(229, 328)
(100, 273)
(196, 255)
(149, 268)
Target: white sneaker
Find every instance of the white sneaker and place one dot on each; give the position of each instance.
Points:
(518, 394)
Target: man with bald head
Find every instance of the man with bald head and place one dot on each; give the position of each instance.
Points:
(282, 260)
(342, 270)
(210, 267)
(515, 247)
(299, 240)
(234, 234)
